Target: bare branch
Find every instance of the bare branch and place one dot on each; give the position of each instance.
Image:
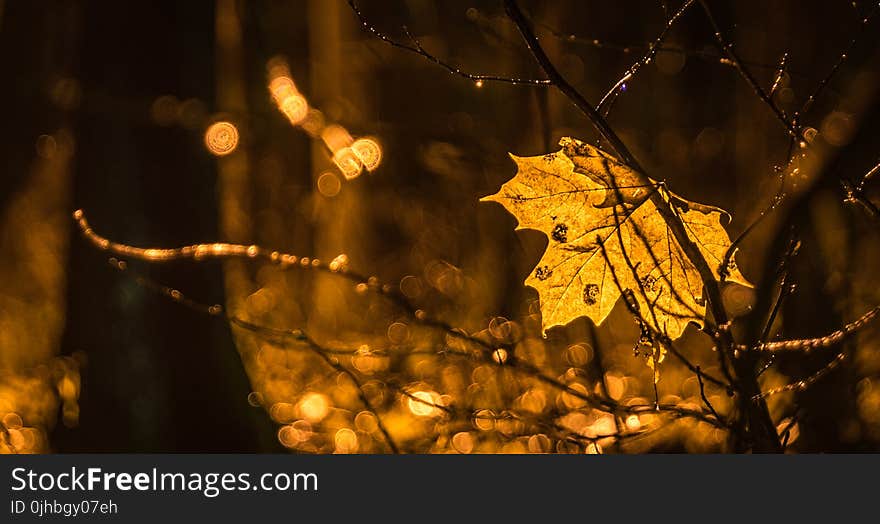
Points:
(863, 26)
(727, 47)
(646, 59)
(417, 48)
(808, 344)
(803, 384)
(703, 394)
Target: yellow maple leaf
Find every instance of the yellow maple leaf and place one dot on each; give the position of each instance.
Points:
(581, 197)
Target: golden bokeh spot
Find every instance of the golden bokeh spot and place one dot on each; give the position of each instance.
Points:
(346, 441)
(221, 138)
(295, 108)
(616, 386)
(329, 184)
(422, 403)
(336, 138)
(410, 286)
(313, 123)
(463, 442)
(578, 354)
(593, 449)
(282, 412)
(287, 436)
(633, 423)
(12, 421)
(255, 399)
(368, 151)
(348, 163)
(484, 420)
(313, 407)
(366, 421)
(365, 361)
(339, 263)
(282, 87)
(575, 400)
(284, 92)
(539, 443)
(398, 333)
(838, 128)
(533, 400)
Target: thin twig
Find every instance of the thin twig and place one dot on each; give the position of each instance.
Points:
(703, 395)
(417, 48)
(808, 344)
(728, 49)
(863, 26)
(803, 384)
(646, 59)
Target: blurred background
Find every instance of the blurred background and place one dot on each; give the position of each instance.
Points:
(174, 123)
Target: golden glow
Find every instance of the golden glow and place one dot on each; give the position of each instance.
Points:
(539, 443)
(282, 412)
(290, 102)
(336, 138)
(329, 184)
(282, 87)
(533, 400)
(398, 333)
(633, 423)
(255, 399)
(346, 441)
(350, 156)
(616, 385)
(366, 421)
(463, 442)
(313, 407)
(348, 163)
(423, 403)
(295, 434)
(295, 108)
(12, 421)
(339, 263)
(575, 400)
(221, 138)
(287, 436)
(484, 420)
(37, 386)
(410, 286)
(368, 151)
(313, 123)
